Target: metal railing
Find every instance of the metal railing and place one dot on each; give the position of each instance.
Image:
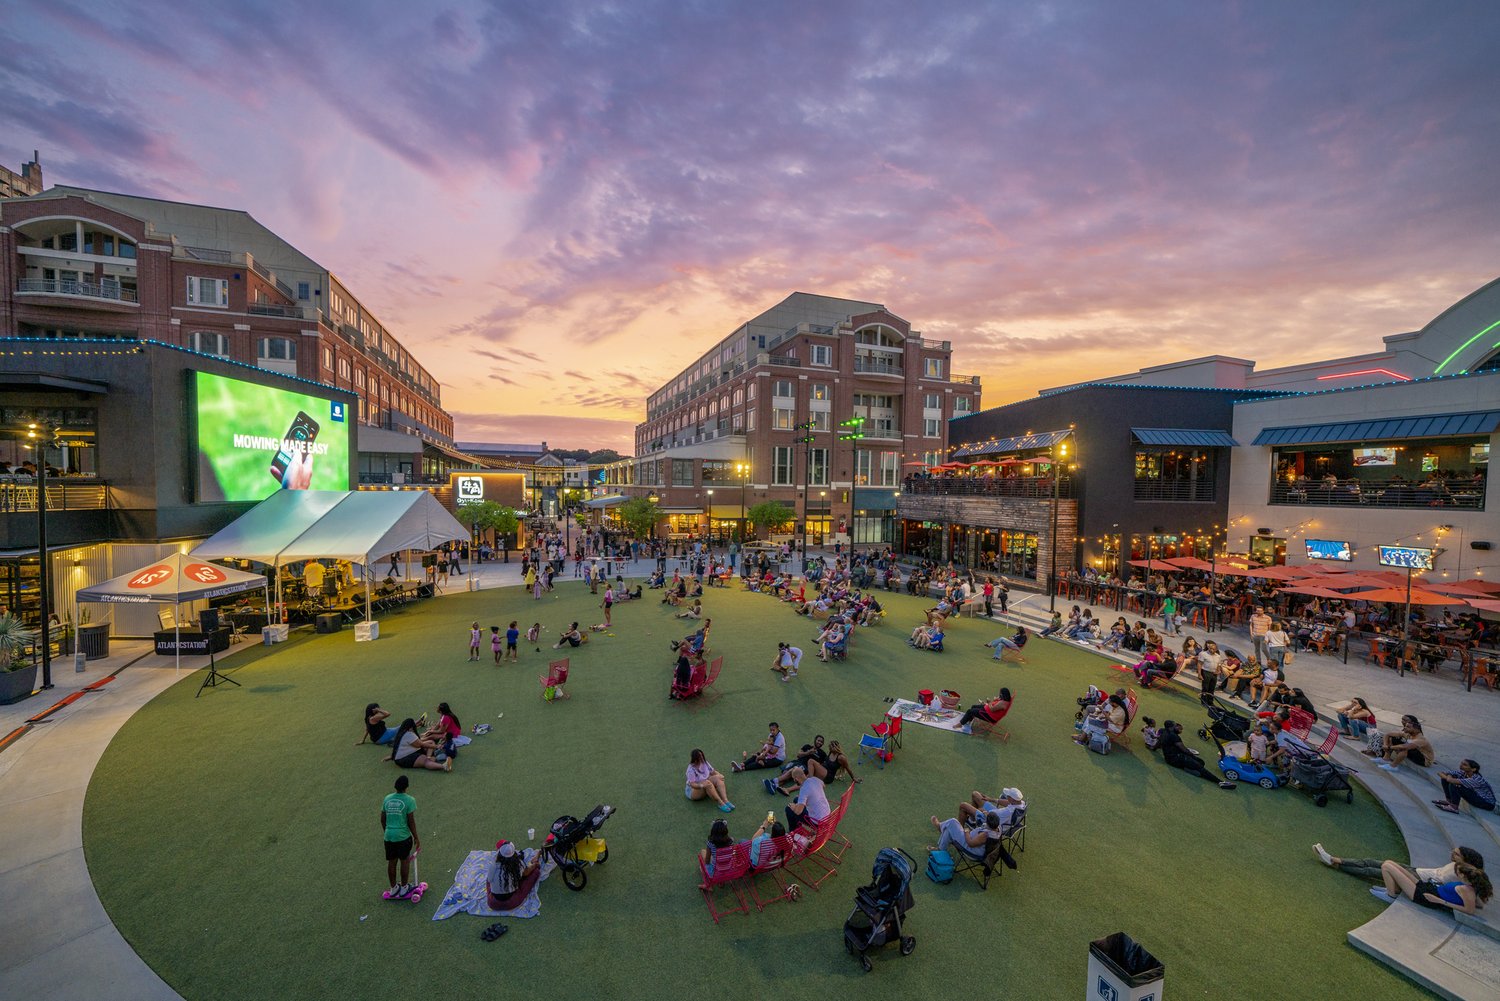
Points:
(990, 486)
(207, 254)
(876, 366)
(274, 309)
(1380, 493)
(784, 360)
(108, 290)
(966, 380)
(85, 495)
(1174, 490)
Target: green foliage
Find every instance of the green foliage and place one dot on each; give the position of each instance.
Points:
(488, 516)
(770, 514)
(638, 514)
(14, 638)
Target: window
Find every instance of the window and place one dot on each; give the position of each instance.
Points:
(1172, 474)
(884, 472)
(932, 427)
(783, 419)
(820, 354)
(963, 405)
(819, 420)
(328, 359)
(932, 368)
(359, 378)
(208, 292)
(782, 465)
(782, 388)
(889, 469)
(304, 291)
(817, 467)
(820, 392)
(682, 472)
(739, 397)
(932, 458)
(277, 349)
(932, 401)
(750, 391)
(344, 368)
(210, 343)
(750, 419)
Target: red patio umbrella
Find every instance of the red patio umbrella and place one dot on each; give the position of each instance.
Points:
(1189, 563)
(1467, 588)
(1303, 587)
(1161, 565)
(1488, 606)
(1398, 596)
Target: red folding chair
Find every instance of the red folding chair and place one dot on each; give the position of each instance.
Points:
(987, 727)
(889, 728)
(554, 679)
(731, 867)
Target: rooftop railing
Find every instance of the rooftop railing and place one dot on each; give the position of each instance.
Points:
(107, 290)
(990, 486)
(1381, 493)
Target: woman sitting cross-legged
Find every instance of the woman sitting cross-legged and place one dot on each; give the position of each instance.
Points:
(511, 878)
(1469, 888)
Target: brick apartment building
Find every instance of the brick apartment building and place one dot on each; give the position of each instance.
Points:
(726, 433)
(81, 263)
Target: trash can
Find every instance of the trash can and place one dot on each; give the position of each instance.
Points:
(93, 640)
(1121, 970)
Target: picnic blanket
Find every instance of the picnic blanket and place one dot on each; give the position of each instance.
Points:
(468, 893)
(933, 715)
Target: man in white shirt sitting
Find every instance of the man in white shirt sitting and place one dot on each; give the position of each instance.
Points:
(772, 753)
(1005, 805)
(811, 805)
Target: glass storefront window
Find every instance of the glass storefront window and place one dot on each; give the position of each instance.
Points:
(1403, 474)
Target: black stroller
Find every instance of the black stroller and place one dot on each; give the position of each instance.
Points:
(1224, 723)
(1317, 776)
(574, 848)
(880, 908)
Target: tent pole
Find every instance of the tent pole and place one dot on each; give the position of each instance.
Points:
(367, 587)
(276, 566)
(177, 638)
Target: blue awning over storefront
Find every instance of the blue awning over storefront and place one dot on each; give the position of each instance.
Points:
(1042, 439)
(1386, 429)
(1184, 436)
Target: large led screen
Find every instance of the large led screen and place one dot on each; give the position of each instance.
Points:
(254, 440)
(1329, 549)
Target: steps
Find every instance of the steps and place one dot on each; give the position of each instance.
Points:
(1457, 959)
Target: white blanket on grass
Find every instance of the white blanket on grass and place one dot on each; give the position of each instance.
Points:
(469, 892)
(933, 715)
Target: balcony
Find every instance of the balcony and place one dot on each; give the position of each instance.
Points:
(964, 380)
(275, 309)
(1381, 493)
(1195, 491)
(19, 495)
(990, 486)
(878, 366)
(108, 291)
(786, 360)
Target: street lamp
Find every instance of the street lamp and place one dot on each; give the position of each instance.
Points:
(742, 470)
(805, 441)
(653, 498)
(852, 435)
(1060, 454)
(710, 518)
(35, 433)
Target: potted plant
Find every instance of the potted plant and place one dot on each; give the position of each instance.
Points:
(17, 671)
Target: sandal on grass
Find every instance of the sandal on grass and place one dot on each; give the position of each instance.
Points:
(494, 931)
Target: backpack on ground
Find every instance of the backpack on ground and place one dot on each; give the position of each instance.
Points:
(940, 866)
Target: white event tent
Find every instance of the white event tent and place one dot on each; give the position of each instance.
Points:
(360, 526)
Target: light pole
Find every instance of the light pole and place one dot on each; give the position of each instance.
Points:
(710, 518)
(653, 498)
(39, 438)
(1058, 455)
(742, 470)
(853, 435)
(805, 441)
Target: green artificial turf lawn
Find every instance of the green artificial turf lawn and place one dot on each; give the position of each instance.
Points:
(234, 838)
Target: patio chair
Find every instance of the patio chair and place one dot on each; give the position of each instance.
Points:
(987, 727)
(553, 681)
(731, 867)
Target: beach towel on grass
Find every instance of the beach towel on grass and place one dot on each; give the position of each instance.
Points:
(933, 715)
(468, 893)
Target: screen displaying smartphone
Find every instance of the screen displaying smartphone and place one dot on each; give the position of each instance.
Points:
(303, 428)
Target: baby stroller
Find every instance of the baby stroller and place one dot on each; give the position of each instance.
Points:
(1225, 724)
(880, 908)
(1317, 776)
(573, 846)
(1093, 697)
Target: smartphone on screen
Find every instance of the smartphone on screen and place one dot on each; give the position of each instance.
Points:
(303, 428)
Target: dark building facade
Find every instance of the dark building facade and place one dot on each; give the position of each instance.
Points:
(1097, 473)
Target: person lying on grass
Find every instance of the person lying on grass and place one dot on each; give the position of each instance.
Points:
(1370, 868)
(1465, 892)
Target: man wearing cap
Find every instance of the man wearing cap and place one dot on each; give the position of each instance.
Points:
(1260, 624)
(1004, 805)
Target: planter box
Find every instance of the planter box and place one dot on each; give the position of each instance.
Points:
(17, 685)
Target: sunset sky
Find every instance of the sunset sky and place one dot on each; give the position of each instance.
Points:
(556, 205)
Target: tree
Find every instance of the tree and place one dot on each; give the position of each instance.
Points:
(769, 514)
(488, 516)
(639, 514)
